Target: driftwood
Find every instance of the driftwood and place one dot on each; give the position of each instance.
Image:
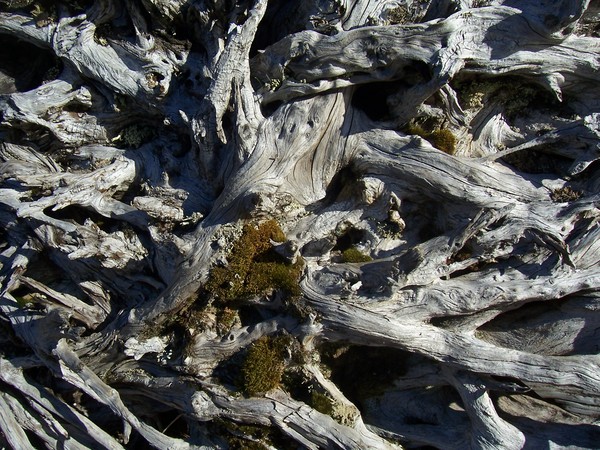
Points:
(299, 224)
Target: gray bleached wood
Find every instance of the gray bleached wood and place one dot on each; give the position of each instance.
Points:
(446, 298)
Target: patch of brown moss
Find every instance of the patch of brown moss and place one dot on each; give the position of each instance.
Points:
(565, 194)
(398, 15)
(442, 138)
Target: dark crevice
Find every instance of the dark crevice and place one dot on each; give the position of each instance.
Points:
(24, 66)
(361, 372)
(269, 109)
(372, 99)
(280, 20)
(341, 187)
(539, 162)
(28, 134)
(452, 322)
(78, 214)
(349, 238)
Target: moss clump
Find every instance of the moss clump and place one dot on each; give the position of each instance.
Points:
(512, 94)
(398, 15)
(253, 267)
(389, 229)
(226, 317)
(418, 130)
(442, 139)
(134, 136)
(263, 368)
(353, 255)
(321, 403)
(565, 194)
(473, 94)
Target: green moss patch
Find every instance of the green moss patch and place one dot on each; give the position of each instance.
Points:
(263, 368)
(253, 266)
(353, 255)
(321, 403)
(442, 139)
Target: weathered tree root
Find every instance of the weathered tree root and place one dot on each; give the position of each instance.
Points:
(347, 224)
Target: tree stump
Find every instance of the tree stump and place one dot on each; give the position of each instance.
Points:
(299, 224)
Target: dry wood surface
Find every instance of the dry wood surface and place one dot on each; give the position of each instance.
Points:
(282, 224)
